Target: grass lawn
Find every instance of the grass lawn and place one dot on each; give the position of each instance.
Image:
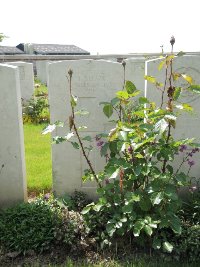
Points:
(38, 158)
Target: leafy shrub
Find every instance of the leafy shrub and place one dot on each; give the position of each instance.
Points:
(138, 186)
(190, 211)
(77, 201)
(36, 110)
(187, 245)
(39, 225)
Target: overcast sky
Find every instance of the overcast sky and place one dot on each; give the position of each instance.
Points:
(103, 26)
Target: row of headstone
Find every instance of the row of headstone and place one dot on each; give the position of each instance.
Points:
(94, 82)
(12, 163)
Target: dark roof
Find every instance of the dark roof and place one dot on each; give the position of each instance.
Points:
(55, 49)
(10, 50)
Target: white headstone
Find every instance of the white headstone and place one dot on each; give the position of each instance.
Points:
(12, 162)
(41, 68)
(26, 76)
(188, 125)
(135, 71)
(92, 82)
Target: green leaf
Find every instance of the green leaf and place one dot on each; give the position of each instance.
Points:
(98, 206)
(175, 224)
(75, 145)
(137, 170)
(115, 174)
(110, 228)
(118, 224)
(195, 88)
(124, 135)
(73, 101)
(127, 208)
(170, 169)
(177, 93)
(187, 78)
(138, 227)
(145, 204)
(181, 178)
(143, 100)
(113, 134)
(123, 95)
(148, 230)
(187, 107)
(167, 247)
(124, 219)
(87, 138)
(58, 139)
(135, 197)
(130, 87)
(108, 110)
(156, 243)
(115, 101)
(170, 191)
(150, 79)
(156, 198)
(162, 63)
(87, 208)
(104, 149)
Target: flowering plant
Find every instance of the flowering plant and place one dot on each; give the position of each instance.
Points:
(138, 187)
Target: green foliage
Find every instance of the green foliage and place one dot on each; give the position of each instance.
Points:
(39, 225)
(36, 110)
(77, 201)
(138, 187)
(190, 211)
(188, 244)
(139, 196)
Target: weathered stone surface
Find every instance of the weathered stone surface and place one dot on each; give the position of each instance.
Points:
(26, 76)
(93, 82)
(12, 162)
(41, 69)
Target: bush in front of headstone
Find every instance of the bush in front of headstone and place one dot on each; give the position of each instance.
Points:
(36, 110)
(40, 225)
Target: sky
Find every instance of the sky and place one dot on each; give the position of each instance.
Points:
(103, 26)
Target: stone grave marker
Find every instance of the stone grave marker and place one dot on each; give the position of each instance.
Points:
(41, 69)
(92, 82)
(12, 161)
(26, 76)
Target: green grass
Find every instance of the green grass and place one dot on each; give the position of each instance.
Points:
(38, 159)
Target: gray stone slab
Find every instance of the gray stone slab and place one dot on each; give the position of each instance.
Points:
(41, 69)
(26, 76)
(93, 82)
(12, 161)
